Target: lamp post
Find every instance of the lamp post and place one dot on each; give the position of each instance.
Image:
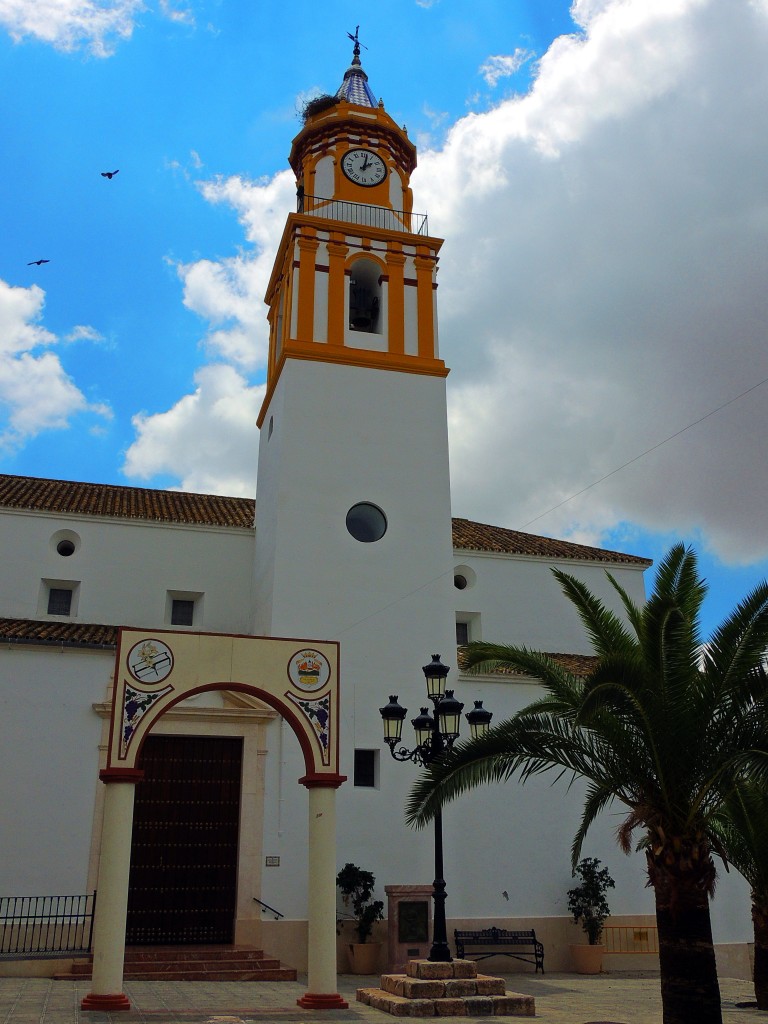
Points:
(435, 733)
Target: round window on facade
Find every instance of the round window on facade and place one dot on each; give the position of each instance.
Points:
(366, 522)
(65, 543)
(464, 577)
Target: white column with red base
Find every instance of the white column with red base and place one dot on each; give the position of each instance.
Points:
(112, 894)
(321, 966)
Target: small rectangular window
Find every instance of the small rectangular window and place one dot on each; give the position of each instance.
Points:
(59, 601)
(462, 633)
(365, 768)
(182, 612)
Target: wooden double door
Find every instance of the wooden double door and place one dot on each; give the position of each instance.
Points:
(183, 882)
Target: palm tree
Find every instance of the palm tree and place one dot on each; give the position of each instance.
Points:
(661, 724)
(741, 826)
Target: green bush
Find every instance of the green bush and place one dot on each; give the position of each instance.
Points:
(587, 901)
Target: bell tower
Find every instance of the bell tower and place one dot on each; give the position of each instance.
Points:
(353, 521)
(354, 277)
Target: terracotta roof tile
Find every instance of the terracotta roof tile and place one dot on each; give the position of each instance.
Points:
(68, 496)
(120, 502)
(578, 664)
(71, 634)
(470, 536)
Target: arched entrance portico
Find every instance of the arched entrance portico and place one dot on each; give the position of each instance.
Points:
(153, 672)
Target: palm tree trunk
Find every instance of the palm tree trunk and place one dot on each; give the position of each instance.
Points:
(760, 922)
(690, 993)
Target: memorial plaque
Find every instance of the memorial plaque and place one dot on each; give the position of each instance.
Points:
(413, 921)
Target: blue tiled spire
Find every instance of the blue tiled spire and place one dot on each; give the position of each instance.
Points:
(355, 88)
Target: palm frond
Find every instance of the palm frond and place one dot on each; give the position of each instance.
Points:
(678, 580)
(671, 640)
(736, 652)
(596, 800)
(482, 658)
(472, 763)
(633, 611)
(740, 826)
(605, 629)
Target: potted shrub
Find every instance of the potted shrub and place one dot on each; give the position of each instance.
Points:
(356, 886)
(589, 906)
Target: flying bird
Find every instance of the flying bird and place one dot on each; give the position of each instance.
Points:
(37, 263)
(110, 174)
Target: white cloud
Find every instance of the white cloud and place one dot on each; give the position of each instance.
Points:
(36, 393)
(203, 438)
(229, 293)
(207, 439)
(94, 25)
(82, 332)
(504, 65)
(174, 10)
(607, 247)
(72, 24)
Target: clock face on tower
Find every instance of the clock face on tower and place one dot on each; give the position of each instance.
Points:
(363, 167)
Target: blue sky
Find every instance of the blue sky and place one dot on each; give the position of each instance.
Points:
(597, 172)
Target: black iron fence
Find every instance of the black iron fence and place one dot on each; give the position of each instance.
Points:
(36, 927)
(362, 214)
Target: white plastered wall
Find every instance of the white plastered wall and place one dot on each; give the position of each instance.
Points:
(126, 568)
(383, 440)
(50, 740)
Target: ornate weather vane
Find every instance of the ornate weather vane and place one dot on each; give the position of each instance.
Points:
(358, 44)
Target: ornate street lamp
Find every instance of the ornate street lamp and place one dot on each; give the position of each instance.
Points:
(435, 733)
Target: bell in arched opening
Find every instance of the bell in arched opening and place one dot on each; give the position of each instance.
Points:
(364, 296)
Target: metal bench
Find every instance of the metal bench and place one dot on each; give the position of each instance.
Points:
(500, 937)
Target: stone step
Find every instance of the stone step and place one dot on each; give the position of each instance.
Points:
(511, 1004)
(446, 988)
(452, 989)
(134, 953)
(193, 963)
(225, 974)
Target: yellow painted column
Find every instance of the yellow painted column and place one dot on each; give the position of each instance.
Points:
(321, 967)
(337, 252)
(396, 302)
(305, 327)
(112, 893)
(424, 304)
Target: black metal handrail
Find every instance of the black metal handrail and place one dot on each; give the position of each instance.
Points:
(265, 906)
(37, 927)
(362, 214)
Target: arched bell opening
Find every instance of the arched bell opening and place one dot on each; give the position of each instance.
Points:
(365, 297)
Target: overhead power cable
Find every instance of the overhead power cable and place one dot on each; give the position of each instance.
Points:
(642, 455)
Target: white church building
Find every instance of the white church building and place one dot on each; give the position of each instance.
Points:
(348, 560)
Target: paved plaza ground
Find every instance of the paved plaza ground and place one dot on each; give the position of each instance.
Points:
(560, 999)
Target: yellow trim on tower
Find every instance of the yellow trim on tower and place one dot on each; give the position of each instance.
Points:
(307, 246)
(294, 349)
(425, 310)
(337, 252)
(396, 300)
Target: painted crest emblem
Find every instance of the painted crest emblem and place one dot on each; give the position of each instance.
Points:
(150, 661)
(309, 670)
